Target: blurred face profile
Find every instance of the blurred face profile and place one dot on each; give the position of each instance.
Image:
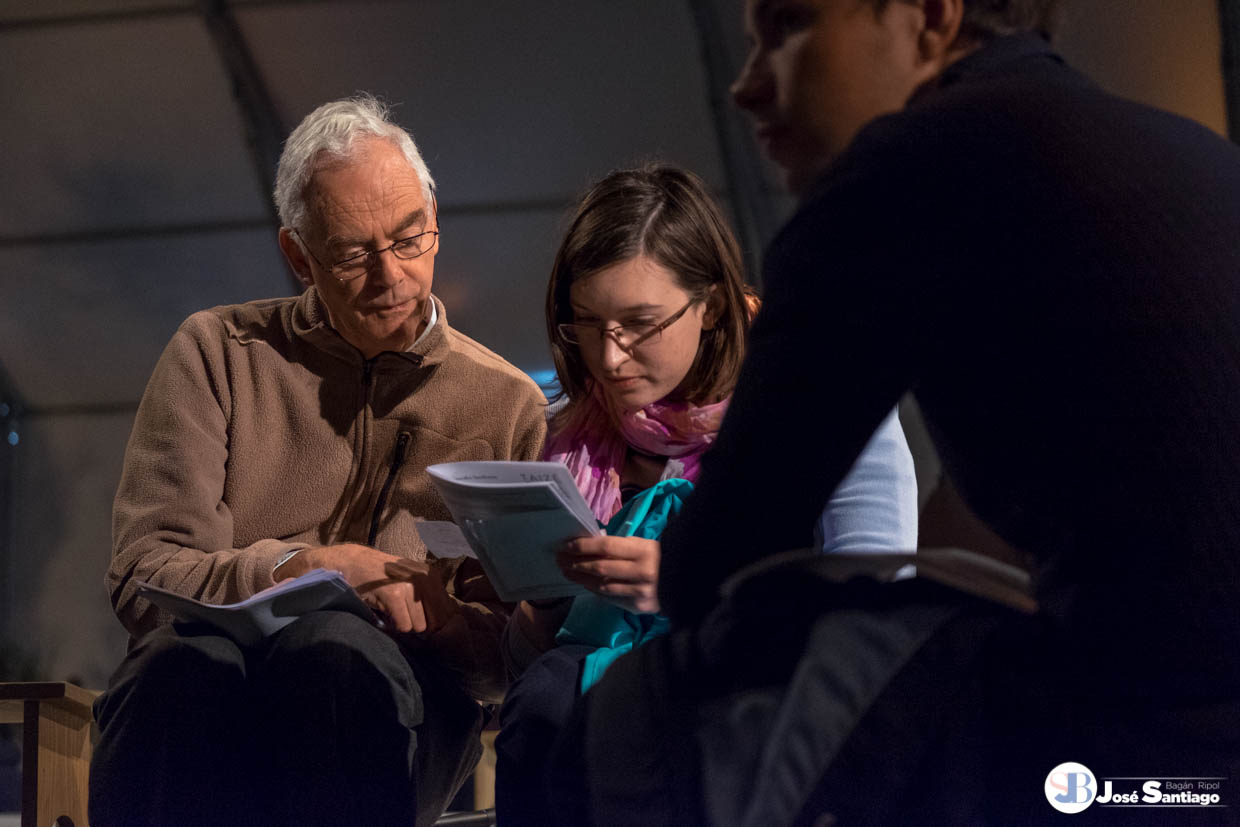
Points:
(817, 71)
(638, 294)
(367, 203)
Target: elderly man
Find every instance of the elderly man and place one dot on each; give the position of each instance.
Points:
(280, 436)
(1054, 272)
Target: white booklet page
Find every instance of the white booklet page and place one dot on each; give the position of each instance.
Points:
(516, 516)
(263, 614)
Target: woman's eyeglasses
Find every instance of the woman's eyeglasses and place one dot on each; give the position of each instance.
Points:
(627, 336)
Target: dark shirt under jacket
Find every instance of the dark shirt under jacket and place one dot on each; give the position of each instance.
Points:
(1055, 272)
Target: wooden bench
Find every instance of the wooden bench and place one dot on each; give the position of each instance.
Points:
(56, 743)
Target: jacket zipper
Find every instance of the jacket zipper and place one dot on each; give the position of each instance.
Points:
(357, 482)
(398, 459)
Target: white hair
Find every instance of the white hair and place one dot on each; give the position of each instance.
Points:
(330, 133)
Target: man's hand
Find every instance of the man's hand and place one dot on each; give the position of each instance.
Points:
(623, 570)
(405, 590)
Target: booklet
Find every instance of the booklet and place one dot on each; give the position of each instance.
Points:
(265, 613)
(516, 516)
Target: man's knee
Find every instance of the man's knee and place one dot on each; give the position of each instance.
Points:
(330, 625)
(327, 639)
(543, 696)
(178, 684)
(341, 655)
(175, 663)
(174, 646)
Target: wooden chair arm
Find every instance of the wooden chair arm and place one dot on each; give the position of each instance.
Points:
(56, 745)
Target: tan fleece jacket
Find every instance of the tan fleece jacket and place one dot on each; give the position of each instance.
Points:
(262, 431)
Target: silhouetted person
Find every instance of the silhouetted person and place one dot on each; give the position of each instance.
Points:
(1055, 273)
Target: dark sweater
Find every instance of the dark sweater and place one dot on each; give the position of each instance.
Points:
(1055, 272)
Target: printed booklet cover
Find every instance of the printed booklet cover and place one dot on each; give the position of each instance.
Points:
(516, 516)
(265, 613)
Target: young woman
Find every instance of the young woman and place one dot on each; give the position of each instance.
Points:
(647, 312)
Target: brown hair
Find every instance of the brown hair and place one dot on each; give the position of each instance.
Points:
(665, 213)
(986, 19)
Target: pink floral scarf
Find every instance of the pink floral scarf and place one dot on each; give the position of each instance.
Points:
(594, 442)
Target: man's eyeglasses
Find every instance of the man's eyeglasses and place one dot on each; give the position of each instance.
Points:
(627, 336)
(354, 267)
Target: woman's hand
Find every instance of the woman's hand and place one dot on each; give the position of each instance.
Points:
(623, 570)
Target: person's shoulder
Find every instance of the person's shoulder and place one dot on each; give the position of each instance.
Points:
(1035, 118)
(469, 355)
(983, 102)
(249, 321)
(989, 116)
(1022, 97)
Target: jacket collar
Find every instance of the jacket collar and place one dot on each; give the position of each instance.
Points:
(997, 55)
(311, 325)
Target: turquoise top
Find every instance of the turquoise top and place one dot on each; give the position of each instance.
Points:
(596, 622)
(873, 509)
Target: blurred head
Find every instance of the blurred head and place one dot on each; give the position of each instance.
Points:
(987, 19)
(646, 247)
(819, 70)
(359, 221)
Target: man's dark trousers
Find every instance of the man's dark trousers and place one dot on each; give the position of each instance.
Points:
(329, 721)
